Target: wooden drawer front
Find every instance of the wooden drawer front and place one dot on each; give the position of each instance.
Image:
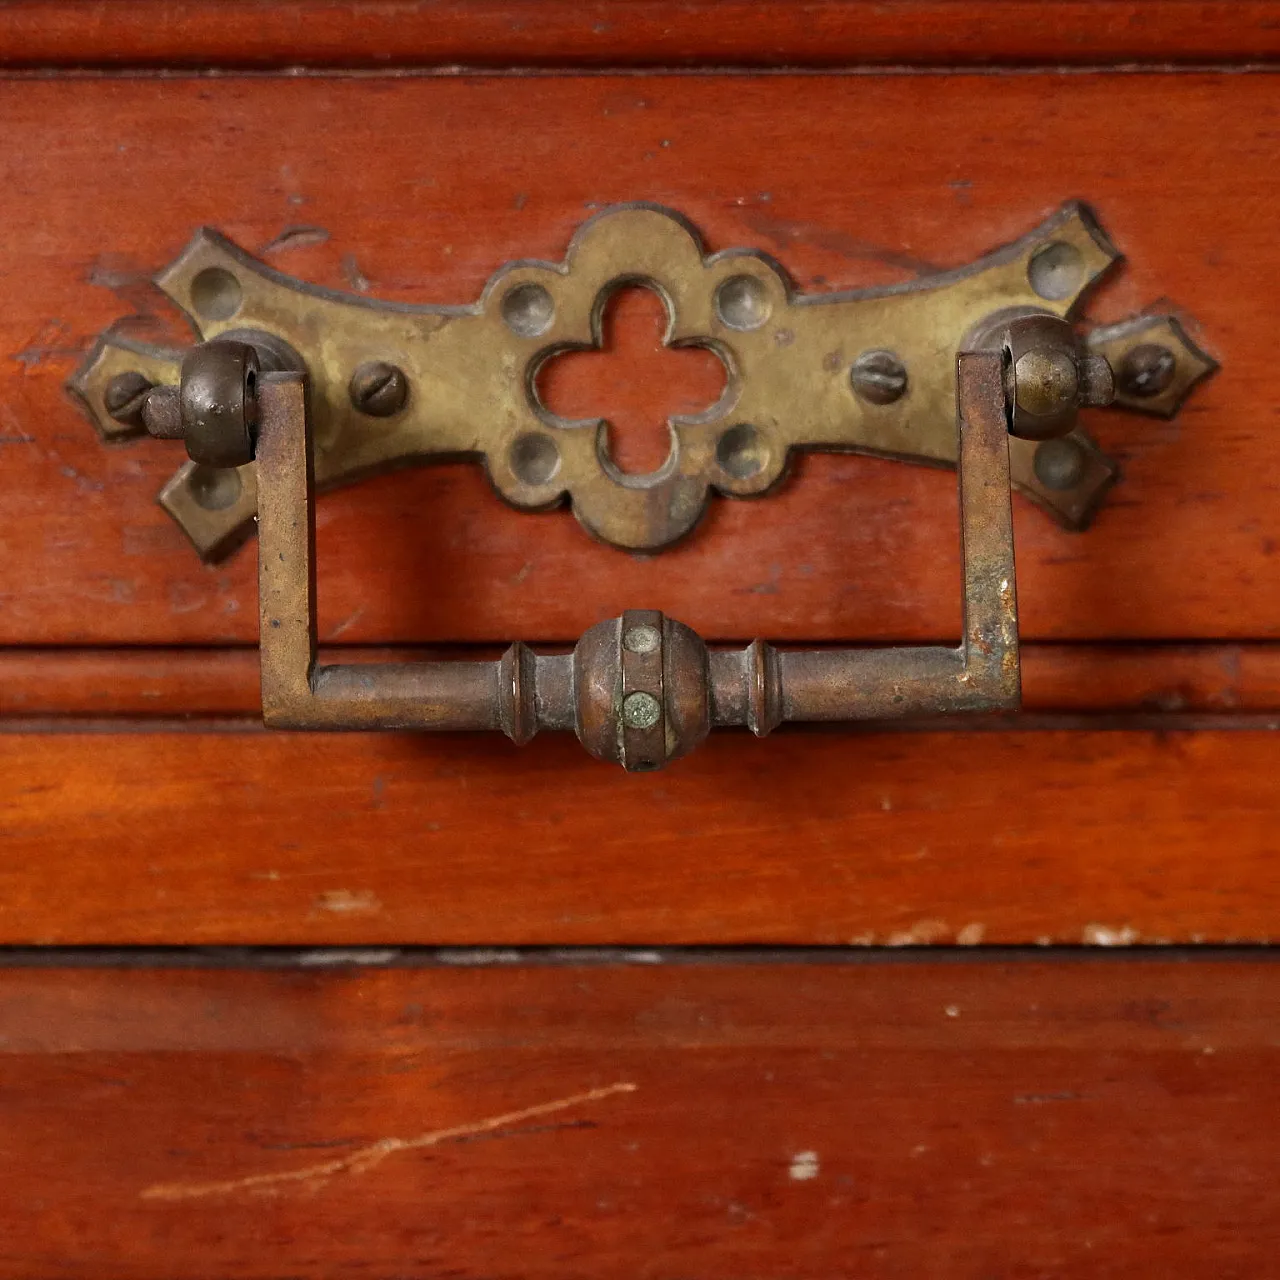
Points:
(714, 1119)
(526, 1099)
(416, 188)
(1108, 838)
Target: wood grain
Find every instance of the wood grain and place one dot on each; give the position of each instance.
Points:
(489, 1114)
(105, 179)
(840, 837)
(1013, 1117)
(502, 33)
(1093, 679)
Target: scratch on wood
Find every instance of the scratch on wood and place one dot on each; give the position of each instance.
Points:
(343, 901)
(52, 342)
(784, 231)
(349, 621)
(366, 1158)
(923, 932)
(355, 277)
(295, 237)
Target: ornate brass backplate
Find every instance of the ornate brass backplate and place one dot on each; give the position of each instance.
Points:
(871, 371)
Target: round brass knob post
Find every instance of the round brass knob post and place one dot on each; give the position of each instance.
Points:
(641, 689)
(1049, 377)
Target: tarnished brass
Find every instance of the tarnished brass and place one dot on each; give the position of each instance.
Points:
(872, 371)
(1048, 377)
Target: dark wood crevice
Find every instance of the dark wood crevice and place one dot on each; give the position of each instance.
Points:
(371, 958)
(1175, 684)
(528, 34)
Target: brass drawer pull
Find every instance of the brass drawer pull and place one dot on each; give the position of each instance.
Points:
(295, 388)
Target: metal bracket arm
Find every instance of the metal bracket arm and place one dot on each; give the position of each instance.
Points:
(641, 689)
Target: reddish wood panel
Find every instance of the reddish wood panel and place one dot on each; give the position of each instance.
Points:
(169, 683)
(498, 33)
(422, 186)
(836, 837)
(953, 1120)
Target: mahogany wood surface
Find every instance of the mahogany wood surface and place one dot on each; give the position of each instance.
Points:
(942, 1109)
(592, 33)
(418, 188)
(1006, 1116)
(842, 836)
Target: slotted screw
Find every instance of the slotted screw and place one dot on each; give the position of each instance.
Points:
(379, 389)
(879, 377)
(1147, 370)
(125, 396)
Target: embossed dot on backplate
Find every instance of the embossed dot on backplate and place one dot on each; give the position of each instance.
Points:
(216, 294)
(741, 452)
(1056, 271)
(214, 488)
(742, 303)
(528, 310)
(534, 458)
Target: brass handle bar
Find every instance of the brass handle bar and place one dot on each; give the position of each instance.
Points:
(640, 689)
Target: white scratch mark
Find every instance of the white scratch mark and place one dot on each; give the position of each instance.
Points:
(804, 1166)
(366, 1158)
(347, 622)
(952, 1011)
(1100, 935)
(362, 902)
(346, 955)
(971, 934)
(922, 932)
(478, 956)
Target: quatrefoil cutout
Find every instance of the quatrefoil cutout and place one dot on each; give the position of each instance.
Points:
(634, 381)
(723, 303)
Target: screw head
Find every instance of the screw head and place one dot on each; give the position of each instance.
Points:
(378, 389)
(641, 710)
(125, 396)
(1146, 370)
(879, 377)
